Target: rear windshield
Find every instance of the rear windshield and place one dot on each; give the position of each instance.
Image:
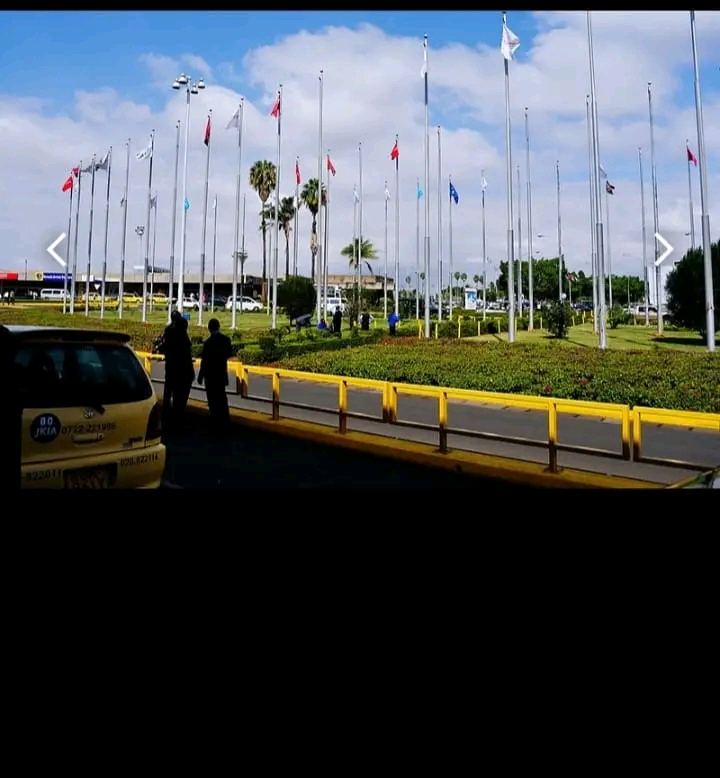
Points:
(65, 375)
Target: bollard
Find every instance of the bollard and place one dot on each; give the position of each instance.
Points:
(342, 407)
(552, 436)
(275, 396)
(443, 421)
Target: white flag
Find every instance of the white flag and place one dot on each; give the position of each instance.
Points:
(510, 42)
(146, 153)
(387, 193)
(215, 203)
(484, 183)
(88, 168)
(356, 195)
(153, 201)
(603, 174)
(103, 164)
(424, 70)
(235, 121)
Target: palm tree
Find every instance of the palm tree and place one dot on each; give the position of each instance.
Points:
(263, 179)
(309, 198)
(286, 216)
(464, 278)
(357, 254)
(476, 279)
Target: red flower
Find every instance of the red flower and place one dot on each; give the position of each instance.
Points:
(547, 389)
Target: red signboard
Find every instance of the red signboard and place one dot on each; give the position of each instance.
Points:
(8, 276)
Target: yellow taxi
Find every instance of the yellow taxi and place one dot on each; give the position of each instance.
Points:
(159, 299)
(90, 417)
(131, 299)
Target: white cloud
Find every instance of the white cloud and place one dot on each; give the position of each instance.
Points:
(373, 90)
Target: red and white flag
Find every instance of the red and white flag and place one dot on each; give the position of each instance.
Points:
(395, 151)
(74, 173)
(275, 113)
(330, 165)
(297, 172)
(691, 157)
(208, 128)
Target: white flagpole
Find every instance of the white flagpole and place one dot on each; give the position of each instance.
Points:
(201, 296)
(173, 223)
(644, 240)
(593, 220)
(559, 232)
(609, 255)
(656, 228)
(385, 277)
(396, 282)
(427, 194)
(73, 276)
(484, 250)
(356, 260)
(107, 232)
(519, 243)
(297, 211)
(242, 255)
(320, 303)
(509, 184)
(277, 208)
(67, 250)
(439, 228)
(417, 253)
(238, 184)
(147, 227)
(531, 293)
(360, 226)
(690, 196)
(704, 202)
(152, 258)
(450, 241)
(123, 244)
(214, 256)
(90, 231)
(326, 246)
(599, 239)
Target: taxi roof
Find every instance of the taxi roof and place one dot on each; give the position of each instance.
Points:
(37, 332)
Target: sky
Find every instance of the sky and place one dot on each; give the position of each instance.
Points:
(60, 104)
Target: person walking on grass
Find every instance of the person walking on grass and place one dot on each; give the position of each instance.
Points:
(216, 351)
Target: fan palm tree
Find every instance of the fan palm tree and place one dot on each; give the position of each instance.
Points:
(355, 254)
(464, 278)
(309, 198)
(286, 216)
(263, 179)
(476, 279)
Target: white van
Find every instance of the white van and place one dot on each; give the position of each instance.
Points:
(333, 303)
(52, 294)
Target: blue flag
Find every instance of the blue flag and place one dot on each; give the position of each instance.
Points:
(419, 192)
(187, 204)
(454, 194)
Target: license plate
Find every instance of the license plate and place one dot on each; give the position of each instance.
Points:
(89, 478)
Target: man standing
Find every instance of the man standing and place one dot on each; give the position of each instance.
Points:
(179, 370)
(217, 349)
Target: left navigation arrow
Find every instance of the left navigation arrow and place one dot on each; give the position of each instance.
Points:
(51, 250)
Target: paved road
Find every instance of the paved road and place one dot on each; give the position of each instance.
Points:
(701, 446)
(252, 459)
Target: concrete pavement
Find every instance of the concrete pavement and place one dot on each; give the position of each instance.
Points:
(701, 446)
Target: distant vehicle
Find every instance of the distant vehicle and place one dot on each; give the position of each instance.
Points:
(53, 294)
(335, 302)
(190, 303)
(159, 299)
(130, 299)
(247, 304)
(219, 301)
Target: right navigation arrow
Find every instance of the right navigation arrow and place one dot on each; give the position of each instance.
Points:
(668, 249)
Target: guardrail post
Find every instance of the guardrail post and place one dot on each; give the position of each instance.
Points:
(275, 396)
(147, 362)
(459, 326)
(637, 435)
(420, 332)
(552, 436)
(390, 403)
(478, 328)
(443, 420)
(626, 426)
(342, 407)
(436, 330)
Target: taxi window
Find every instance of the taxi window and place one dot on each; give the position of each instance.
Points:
(65, 375)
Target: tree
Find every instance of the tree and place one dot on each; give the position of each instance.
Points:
(263, 179)
(686, 290)
(297, 296)
(476, 279)
(356, 253)
(286, 216)
(309, 198)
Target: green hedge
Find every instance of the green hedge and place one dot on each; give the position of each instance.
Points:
(655, 378)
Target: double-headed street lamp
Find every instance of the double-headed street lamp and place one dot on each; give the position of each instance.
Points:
(191, 88)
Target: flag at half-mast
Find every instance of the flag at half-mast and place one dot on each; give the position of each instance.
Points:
(275, 112)
(395, 151)
(330, 165)
(419, 191)
(454, 194)
(208, 130)
(690, 156)
(510, 42)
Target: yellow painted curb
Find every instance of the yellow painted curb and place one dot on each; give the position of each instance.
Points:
(465, 462)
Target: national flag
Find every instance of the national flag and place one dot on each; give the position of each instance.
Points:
(104, 162)
(186, 204)
(510, 42)
(330, 165)
(419, 192)
(609, 188)
(206, 139)
(453, 194)
(484, 183)
(68, 183)
(395, 151)
(275, 113)
(297, 172)
(146, 153)
(88, 168)
(76, 171)
(387, 192)
(153, 201)
(424, 70)
(235, 121)
(571, 277)
(691, 157)
(603, 174)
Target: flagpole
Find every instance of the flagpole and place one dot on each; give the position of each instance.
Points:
(656, 228)
(593, 246)
(704, 202)
(277, 208)
(214, 256)
(508, 177)
(450, 242)
(356, 261)
(417, 253)
(396, 282)
(519, 260)
(320, 304)
(559, 232)
(238, 184)
(531, 293)
(123, 244)
(644, 240)
(690, 197)
(360, 227)
(174, 223)
(152, 258)
(599, 238)
(427, 196)
(107, 232)
(439, 222)
(147, 227)
(201, 295)
(385, 278)
(609, 255)
(326, 243)
(90, 232)
(242, 255)
(67, 250)
(183, 217)
(484, 250)
(73, 275)
(295, 225)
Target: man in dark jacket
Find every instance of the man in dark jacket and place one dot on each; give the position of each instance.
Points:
(179, 370)
(217, 349)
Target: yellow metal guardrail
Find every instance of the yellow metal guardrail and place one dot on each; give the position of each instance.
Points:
(630, 420)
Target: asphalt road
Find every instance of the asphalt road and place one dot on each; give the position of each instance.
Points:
(701, 446)
(252, 459)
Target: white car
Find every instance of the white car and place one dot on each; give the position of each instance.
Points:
(189, 304)
(244, 304)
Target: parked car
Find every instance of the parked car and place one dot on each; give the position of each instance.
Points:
(247, 304)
